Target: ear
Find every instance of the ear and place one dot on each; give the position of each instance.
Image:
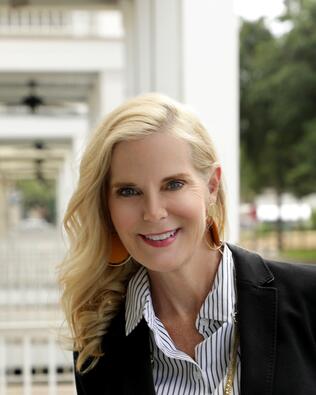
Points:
(213, 183)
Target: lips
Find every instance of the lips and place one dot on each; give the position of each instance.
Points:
(161, 236)
(161, 239)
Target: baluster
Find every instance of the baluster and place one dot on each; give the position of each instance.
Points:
(3, 381)
(52, 378)
(27, 366)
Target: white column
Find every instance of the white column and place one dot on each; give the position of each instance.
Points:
(210, 85)
(52, 377)
(64, 187)
(69, 171)
(3, 381)
(107, 93)
(189, 51)
(3, 207)
(128, 10)
(168, 42)
(27, 365)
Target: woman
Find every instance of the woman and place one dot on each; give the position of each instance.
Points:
(156, 301)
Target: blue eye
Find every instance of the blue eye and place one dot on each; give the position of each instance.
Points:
(127, 192)
(174, 185)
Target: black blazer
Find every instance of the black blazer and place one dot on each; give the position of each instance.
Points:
(277, 324)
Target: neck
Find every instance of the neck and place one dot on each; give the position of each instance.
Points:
(180, 294)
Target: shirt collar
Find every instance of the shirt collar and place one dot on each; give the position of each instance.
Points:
(137, 297)
(139, 302)
(219, 304)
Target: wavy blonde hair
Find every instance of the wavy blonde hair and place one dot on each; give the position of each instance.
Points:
(92, 290)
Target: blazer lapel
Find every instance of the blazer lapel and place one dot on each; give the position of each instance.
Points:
(127, 359)
(257, 322)
(138, 367)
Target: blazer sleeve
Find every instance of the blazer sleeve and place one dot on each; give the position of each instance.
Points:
(78, 378)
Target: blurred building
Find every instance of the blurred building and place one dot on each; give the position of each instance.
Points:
(64, 65)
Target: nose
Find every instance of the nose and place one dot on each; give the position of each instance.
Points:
(154, 209)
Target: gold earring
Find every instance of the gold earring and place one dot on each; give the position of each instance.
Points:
(215, 235)
(213, 229)
(119, 254)
(209, 212)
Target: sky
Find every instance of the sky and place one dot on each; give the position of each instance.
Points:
(254, 9)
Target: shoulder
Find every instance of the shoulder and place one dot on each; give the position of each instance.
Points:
(104, 377)
(294, 279)
(293, 285)
(297, 272)
(285, 269)
(115, 333)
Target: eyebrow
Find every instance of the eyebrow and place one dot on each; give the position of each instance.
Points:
(131, 184)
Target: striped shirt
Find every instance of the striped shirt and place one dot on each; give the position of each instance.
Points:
(175, 372)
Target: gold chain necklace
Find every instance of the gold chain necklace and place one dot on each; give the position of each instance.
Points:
(232, 365)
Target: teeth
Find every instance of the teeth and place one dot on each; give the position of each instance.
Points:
(163, 236)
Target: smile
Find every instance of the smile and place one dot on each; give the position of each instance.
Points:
(161, 239)
(161, 236)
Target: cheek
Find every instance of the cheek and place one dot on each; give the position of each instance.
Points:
(190, 207)
(123, 216)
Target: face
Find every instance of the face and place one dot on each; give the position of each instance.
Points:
(158, 201)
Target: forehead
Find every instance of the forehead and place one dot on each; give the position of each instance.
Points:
(156, 154)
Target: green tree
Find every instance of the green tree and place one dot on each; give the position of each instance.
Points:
(278, 93)
(255, 40)
(37, 194)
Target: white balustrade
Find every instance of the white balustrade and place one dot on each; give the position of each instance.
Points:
(52, 379)
(27, 366)
(60, 22)
(3, 383)
(18, 351)
(32, 362)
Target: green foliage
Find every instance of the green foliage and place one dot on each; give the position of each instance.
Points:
(313, 219)
(278, 95)
(302, 256)
(36, 194)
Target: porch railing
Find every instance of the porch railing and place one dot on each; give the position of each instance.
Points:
(32, 358)
(60, 22)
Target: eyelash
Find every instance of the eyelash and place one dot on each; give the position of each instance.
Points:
(121, 192)
(179, 183)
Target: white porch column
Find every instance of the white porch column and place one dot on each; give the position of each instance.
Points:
(210, 85)
(3, 207)
(65, 185)
(3, 365)
(108, 92)
(189, 50)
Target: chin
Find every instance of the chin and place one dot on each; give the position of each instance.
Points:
(162, 266)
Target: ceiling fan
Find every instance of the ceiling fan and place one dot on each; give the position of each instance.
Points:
(34, 102)
(18, 3)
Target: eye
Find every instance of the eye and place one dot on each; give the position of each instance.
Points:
(127, 192)
(174, 185)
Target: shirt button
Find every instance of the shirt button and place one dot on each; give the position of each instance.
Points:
(197, 374)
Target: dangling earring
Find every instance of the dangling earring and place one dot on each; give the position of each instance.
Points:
(214, 235)
(212, 227)
(119, 254)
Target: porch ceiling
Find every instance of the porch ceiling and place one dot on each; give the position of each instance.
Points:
(32, 159)
(54, 88)
(75, 4)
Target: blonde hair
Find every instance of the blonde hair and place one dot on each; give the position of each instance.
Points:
(93, 291)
